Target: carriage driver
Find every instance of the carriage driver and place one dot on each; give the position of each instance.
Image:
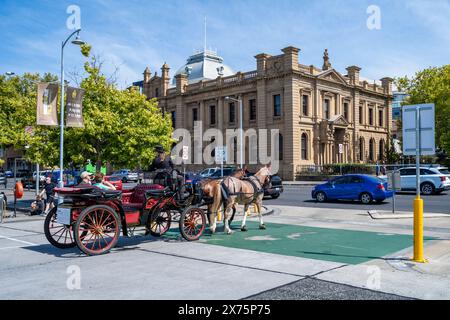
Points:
(163, 162)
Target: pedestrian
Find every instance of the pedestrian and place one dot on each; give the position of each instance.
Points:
(100, 182)
(49, 193)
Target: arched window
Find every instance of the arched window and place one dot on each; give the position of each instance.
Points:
(304, 146)
(381, 148)
(361, 149)
(280, 147)
(371, 149)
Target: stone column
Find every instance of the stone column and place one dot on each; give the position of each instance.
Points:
(220, 106)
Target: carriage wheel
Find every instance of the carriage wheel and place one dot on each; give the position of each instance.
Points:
(192, 223)
(59, 235)
(160, 223)
(97, 229)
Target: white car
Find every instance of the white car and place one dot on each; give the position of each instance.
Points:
(208, 172)
(432, 180)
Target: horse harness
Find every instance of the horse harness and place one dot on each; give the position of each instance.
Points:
(252, 180)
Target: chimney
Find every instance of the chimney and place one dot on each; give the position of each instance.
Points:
(353, 74)
(147, 75)
(291, 58)
(261, 63)
(165, 79)
(182, 81)
(386, 84)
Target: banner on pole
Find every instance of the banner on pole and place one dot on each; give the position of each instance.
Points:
(46, 104)
(74, 107)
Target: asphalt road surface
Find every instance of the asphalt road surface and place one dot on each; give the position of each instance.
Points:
(300, 196)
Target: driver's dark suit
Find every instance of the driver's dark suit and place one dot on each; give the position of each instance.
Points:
(166, 165)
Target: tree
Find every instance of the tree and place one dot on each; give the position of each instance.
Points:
(121, 126)
(432, 85)
(17, 111)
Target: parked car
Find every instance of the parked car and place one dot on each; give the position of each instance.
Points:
(360, 187)
(192, 177)
(116, 181)
(432, 180)
(9, 174)
(126, 175)
(275, 187)
(208, 172)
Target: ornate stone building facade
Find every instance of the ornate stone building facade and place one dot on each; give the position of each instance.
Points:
(323, 116)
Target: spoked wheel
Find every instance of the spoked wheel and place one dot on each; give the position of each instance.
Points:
(97, 230)
(59, 235)
(192, 223)
(160, 223)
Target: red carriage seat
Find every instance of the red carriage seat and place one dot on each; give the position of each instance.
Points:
(136, 196)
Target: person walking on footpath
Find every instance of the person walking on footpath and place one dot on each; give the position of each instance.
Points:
(48, 189)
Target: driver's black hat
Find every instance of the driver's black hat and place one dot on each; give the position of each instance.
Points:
(159, 149)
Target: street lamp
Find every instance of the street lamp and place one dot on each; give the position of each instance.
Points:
(227, 98)
(77, 42)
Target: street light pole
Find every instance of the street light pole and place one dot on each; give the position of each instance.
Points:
(241, 160)
(77, 41)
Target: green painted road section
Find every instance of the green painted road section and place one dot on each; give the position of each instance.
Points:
(337, 245)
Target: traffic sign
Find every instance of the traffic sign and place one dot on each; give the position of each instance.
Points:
(185, 155)
(220, 154)
(426, 129)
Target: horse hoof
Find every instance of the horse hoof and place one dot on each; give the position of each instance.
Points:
(230, 232)
(213, 231)
(244, 228)
(262, 227)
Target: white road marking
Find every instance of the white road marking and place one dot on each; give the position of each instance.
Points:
(17, 240)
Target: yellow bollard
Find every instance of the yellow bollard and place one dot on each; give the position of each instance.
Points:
(418, 230)
(219, 215)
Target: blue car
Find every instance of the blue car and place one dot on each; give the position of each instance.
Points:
(360, 187)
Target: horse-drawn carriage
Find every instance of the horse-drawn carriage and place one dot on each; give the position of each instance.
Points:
(92, 218)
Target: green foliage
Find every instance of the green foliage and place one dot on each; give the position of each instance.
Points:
(432, 85)
(121, 126)
(85, 49)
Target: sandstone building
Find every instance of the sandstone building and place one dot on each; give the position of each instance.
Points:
(323, 116)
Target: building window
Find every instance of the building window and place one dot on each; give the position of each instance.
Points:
(381, 148)
(371, 149)
(277, 105)
(346, 111)
(380, 118)
(194, 115)
(280, 147)
(212, 114)
(361, 149)
(232, 112)
(360, 115)
(252, 104)
(371, 116)
(305, 101)
(173, 117)
(326, 108)
(304, 147)
(156, 92)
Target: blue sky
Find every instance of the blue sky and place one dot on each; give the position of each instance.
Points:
(414, 34)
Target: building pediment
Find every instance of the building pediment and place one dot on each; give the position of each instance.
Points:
(332, 75)
(338, 120)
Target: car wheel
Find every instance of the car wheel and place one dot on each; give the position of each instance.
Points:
(365, 198)
(275, 196)
(321, 196)
(427, 188)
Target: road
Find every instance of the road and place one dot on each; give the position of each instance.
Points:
(300, 196)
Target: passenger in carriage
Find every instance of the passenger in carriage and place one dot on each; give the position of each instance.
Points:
(99, 182)
(86, 178)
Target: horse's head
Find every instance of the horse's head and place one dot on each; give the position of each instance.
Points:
(263, 175)
(239, 174)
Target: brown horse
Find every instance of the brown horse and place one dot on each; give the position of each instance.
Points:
(245, 192)
(212, 190)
